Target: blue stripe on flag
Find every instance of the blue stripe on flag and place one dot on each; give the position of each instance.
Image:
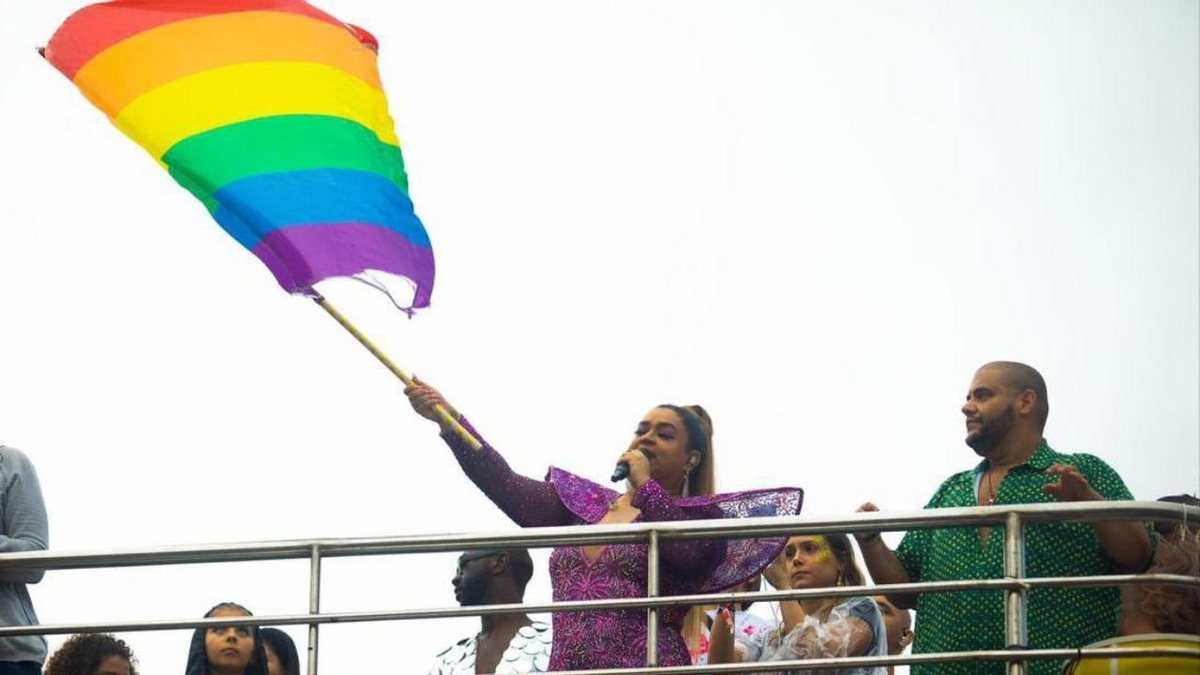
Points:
(253, 207)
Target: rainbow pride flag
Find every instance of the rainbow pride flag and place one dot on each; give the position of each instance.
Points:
(272, 114)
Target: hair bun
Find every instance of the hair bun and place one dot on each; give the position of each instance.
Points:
(703, 415)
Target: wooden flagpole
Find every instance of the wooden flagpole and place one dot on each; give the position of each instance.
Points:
(399, 372)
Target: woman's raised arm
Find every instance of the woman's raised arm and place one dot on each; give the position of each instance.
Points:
(527, 501)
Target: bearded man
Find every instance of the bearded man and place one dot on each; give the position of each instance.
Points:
(1006, 411)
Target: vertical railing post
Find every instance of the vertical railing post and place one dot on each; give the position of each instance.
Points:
(314, 606)
(1016, 634)
(652, 592)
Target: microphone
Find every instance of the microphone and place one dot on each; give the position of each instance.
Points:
(621, 472)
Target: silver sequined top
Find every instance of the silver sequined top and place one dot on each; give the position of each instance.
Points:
(528, 652)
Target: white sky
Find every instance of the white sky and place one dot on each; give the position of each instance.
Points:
(816, 219)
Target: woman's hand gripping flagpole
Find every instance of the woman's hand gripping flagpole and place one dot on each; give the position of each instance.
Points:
(448, 417)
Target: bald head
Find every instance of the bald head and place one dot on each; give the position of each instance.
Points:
(897, 622)
(1019, 377)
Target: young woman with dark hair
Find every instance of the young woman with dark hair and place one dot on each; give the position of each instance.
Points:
(812, 628)
(229, 650)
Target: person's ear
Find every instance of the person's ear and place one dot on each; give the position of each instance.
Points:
(499, 563)
(1026, 402)
(906, 638)
(693, 460)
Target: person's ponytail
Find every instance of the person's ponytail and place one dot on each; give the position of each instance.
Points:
(703, 479)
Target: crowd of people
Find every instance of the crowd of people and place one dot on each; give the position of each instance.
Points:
(226, 650)
(670, 477)
(669, 474)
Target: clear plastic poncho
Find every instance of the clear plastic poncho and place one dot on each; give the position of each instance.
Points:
(815, 639)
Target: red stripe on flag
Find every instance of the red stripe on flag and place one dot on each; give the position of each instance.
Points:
(95, 28)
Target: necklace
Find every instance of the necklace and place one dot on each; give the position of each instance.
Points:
(991, 490)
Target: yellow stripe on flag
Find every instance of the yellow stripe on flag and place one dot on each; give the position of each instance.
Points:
(215, 98)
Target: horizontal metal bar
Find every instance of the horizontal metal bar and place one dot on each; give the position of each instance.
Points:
(908, 659)
(844, 662)
(744, 528)
(610, 604)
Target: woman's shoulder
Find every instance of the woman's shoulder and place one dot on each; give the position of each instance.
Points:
(861, 606)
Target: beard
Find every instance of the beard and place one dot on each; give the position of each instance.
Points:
(991, 432)
(473, 591)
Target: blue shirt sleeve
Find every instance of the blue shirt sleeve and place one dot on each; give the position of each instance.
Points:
(23, 523)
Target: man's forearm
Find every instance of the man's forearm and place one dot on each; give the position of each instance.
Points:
(885, 568)
(1126, 543)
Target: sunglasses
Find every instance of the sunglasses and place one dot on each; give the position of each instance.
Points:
(468, 557)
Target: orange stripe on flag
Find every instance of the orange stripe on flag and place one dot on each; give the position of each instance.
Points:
(156, 57)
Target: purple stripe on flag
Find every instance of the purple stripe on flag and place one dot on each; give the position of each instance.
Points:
(301, 255)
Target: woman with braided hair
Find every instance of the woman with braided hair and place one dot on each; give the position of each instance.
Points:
(670, 478)
(228, 650)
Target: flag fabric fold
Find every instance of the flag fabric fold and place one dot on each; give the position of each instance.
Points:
(272, 114)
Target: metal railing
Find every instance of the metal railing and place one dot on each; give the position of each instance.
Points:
(1013, 517)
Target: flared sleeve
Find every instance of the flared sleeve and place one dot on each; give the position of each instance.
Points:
(686, 560)
(703, 566)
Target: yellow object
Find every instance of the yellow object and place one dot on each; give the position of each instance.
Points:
(148, 60)
(1141, 665)
(214, 98)
(399, 372)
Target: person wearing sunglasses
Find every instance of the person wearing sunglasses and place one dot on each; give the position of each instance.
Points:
(505, 643)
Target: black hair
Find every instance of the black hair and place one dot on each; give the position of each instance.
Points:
(226, 605)
(82, 654)
(197, 663)
(281, 643)
(521, 566)
(1167, 527)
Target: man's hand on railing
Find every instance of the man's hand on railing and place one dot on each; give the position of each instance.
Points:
(868, 537)
(881, 561)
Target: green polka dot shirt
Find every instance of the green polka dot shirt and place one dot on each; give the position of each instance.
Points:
(974, 620)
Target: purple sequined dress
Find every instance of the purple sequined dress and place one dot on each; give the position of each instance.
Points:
(617, 638)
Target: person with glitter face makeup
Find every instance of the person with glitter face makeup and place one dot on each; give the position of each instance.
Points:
(813, 627)
(670, 478)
